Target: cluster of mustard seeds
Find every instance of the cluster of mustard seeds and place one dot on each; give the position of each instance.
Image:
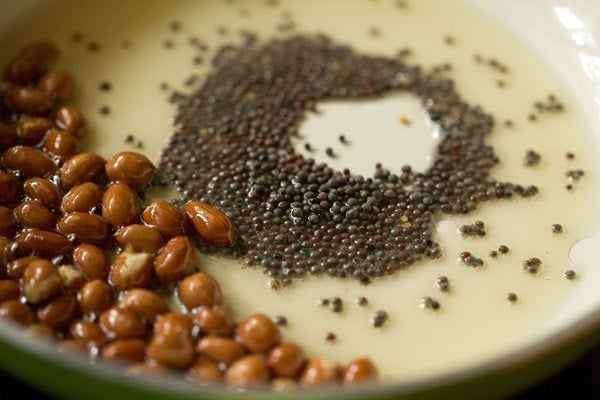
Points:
(233, 148)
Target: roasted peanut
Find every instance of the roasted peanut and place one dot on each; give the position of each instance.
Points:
(8, 223)
(320, 372)
(118, 323)
(8, 136)
(212, 225)
(258, 333)
(57, 85)
(219, 349)
(213, 321)
(198, 290)
(41, 281)
(175, 260)
(140, 237)
(85, 197)
(31, 130)
(129, 350)
(9, 289)
(87, 332)
(15, 310)
(360, 371)
(204, 370)
(167, 218)
(28, 100)
(43, 243)
(29, 161)
(70, 119)
(248, 371)
(16, 268)
(10, 189)
(133, 169)
(44, 191)
(95, 297)
(31, 63)
(172, 344)
(91, 261)
(120, 205)
(59, 312)
(60, 144)
(33, 214)
(286, 360)
(41, 330)
(81, 168)
(131, 270)
(144, 303)
(84, 228)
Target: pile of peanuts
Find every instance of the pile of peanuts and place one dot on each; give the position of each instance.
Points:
(85, 263)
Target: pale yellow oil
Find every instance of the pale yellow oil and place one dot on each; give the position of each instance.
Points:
(475, 323)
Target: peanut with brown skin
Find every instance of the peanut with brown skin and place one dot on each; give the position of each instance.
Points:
(91, 261)
(83, 167)
(141, 238)
(59, 312)
(44, 191)
(129, 350)
(29, 161)
(8, 136)
(248, 371)
(31, 130)
(175, 260)
(167, 218)
(87, 332)
(95, 297)
(31, 63)
(28, 100)
(33, 215)
(212, 225)
(41, 281)
(133, 169)
(85, 197)
(118, 323)
(120, 205)
(84, 228)
(131, 270)
(11, 189)
(220, 350)
(15, 310)
(258, 333)
(144, 303)
(198, 290)
(60, 144)
(57, 85)
(8, 223)
(70, 119)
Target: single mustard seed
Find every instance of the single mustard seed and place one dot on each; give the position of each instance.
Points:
(93, 46)
(493, 253)
(324, 302)
(336, 304)
(404, 120)
(362, 301)
(570, 274)
(280, 320)
(442, 283)
(104, 110)
(429, 303)
(308, 147)
(512, 297)
(77, 37)
(379, 318)
(557, 228)
(168, 44)
(570, 156)
(105, 86)
(503, 249)
(329, 152)
(330, 336)
(343, 139)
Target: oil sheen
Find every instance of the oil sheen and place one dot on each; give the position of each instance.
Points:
(475, 323)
